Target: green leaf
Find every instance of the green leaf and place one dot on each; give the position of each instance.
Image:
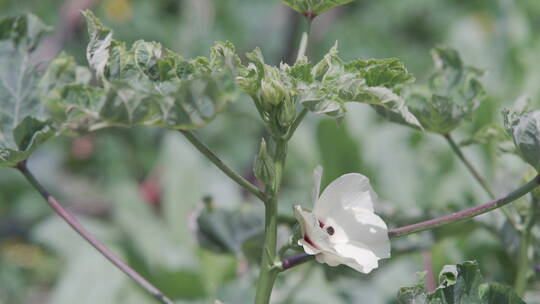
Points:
(225, 231)
(381, 72)
(461, 283)
(375, 82)
(325, 87)
(455, 93)
(524, 128)
(145, 85)
(23, 124)
(312, 8)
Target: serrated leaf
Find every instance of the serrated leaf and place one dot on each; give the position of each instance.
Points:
(23, 124)
(524, 128)
(461, 283)
(455, 93)
(146, 84)
(312, 8)
(372, 82)
(325, 87)
(381, 72)
(225, 231)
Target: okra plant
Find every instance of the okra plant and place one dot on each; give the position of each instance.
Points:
(146, 84)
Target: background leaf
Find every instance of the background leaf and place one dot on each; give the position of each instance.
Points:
(23, 126)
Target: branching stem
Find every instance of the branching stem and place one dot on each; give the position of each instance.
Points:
(479, 178)
(222, 166)
(106, 252)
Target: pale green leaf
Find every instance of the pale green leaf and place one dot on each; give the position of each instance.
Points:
(146, 84)
(23, 124)
(312, 8)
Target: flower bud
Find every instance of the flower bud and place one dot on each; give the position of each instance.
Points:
(264, 168)
(287, 112)
(271, 92)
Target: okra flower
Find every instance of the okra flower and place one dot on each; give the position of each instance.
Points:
(343, 228)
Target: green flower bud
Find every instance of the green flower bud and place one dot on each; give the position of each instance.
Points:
(264, 168)
(287, 112)
(271, 92)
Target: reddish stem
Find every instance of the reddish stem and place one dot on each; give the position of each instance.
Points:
(72, 221)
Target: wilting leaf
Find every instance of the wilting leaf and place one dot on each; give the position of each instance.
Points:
(146, 84)
(455, 93)
(312, 8)
(461, 283)
(23, 125)
(524, 128)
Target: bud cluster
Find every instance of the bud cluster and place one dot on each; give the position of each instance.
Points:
(273, 91)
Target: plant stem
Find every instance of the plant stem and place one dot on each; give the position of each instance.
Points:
(478, 178)
(302, 49)
(467, 213)
(268, 271)
(222, 166)
(296, 123)
(72, 221)
(439, 221)
(525, 237)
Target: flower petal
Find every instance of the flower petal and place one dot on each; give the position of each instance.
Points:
(358, 257)
(359, 227)
(315, 239)
(351, 191)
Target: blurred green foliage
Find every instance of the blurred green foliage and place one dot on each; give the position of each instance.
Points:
(139, 190)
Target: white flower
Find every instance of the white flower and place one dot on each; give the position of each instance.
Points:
(343, 229)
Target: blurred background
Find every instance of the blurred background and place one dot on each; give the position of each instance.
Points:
(140, 190)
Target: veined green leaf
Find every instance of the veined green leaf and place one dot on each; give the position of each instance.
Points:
(375, 82)
(524, 128)
(325, 87)
(23, 124)
(312, 8)
(461, 283)
(146, 84)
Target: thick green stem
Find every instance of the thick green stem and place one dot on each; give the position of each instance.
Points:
(302, 49)
(268, 271)
(478, 178)
(222, 166)
(270, 258)
(525, 237)
(75, 225)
